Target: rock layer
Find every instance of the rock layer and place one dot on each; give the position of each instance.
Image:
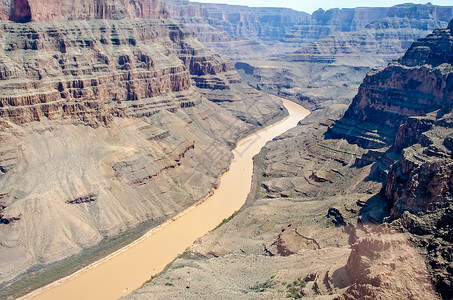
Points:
(114, 117)
(51, 10)
(268, 249)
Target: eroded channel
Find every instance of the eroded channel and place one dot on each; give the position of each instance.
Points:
(127, 269)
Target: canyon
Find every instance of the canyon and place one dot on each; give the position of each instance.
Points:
(110, 122)
(354, 203)
(117, 115)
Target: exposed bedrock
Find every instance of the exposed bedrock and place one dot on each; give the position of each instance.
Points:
(51, 10)
(115, 117)
(385, 265)
(282, 244)
(248, 33)
(418, 83)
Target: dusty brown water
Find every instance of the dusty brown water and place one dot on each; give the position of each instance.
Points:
(127, 269)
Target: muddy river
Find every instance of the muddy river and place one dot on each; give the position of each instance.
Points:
(127, 269)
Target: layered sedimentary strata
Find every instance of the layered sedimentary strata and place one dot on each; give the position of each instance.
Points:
(51, 10)
(112, 115)
(372, 265)
(322, 23)
(237, 31)
(342, 58)
(415, 85)
(286, 244)
(240, 21)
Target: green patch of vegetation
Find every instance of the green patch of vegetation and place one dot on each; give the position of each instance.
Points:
(262, 287)
(149, 280)
(168, 284)
(294, 290)
(226, 220)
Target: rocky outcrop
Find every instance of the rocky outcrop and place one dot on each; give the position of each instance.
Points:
(415, 85)
(51, 10)
(239, 21)
(114, 117)
(322, 23)
(422, 179)
(412, 98)
(433, 233)
(386, 266)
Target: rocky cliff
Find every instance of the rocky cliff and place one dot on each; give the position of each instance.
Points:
(240, 21)
(31, 10)
(114, 117)
(311, 226)
(343, 58)
(242, 32)
(415, 85)
(422, 179)
(237, 31)
(414, 98)
(322, 23)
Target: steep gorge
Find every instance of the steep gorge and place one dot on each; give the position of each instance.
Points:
(332, 66)
(112, 116)
(312, 226)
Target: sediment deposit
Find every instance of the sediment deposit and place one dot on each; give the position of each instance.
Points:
(112, 116)
(312, 226)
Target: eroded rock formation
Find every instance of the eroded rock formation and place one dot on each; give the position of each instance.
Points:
(401, 114)
(112, 116)
(51, 10)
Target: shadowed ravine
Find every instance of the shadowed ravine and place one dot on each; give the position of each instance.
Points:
(127, 269)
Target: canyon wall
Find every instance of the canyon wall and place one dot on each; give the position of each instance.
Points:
(112, 116)
(422, 179)
(239, 22)
(242, 32)
(312, 226)
(342, 58)
(31, 10)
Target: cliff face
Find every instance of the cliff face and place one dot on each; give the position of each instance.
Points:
(407, 106)
(237, 31)
(239, 22)
(383, 114)
(331, 68)
(422, 179)
(106, 119)
(31, 10)
(283, 238)
(415, 85)
(322, 23)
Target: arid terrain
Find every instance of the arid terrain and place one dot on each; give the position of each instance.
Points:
(345, 206)
(115, 116)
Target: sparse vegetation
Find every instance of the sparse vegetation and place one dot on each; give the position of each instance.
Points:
(294, 290)
(262, 287)
(149, 280)
(39, 276)
(226, 220)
